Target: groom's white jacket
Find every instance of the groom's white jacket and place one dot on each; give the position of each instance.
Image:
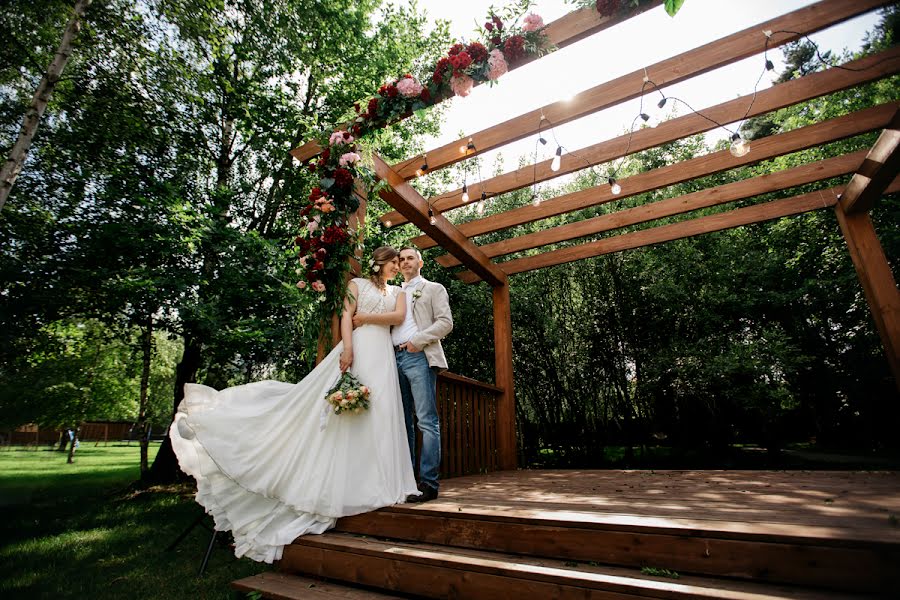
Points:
(431, 312)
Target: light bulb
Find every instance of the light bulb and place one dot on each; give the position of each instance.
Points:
(479, 207)
(535, 200)
(557, 160)
(462, 149)
(738, 147)
(614, 186)
(387, 223)
(465, 195)
(418, 172)
(431, 218)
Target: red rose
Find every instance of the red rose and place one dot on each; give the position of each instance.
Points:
(320, 254)
(496, 40)
(342, 178)
(442, 65)
(425, 95)
(318, 266)
(326, 153)
(514, 48)
(460, 61)
(489, 26)
(357, 128)
(608, 7)
(356, 107)
(456, 49)
(392, 91)
(477, 51)
(373, 106)
(312, 166)
(346, 135)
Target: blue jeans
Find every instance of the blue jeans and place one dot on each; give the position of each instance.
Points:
(418, 388)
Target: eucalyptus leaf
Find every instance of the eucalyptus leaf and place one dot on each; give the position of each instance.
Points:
(673, 6)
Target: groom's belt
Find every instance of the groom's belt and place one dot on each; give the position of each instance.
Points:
(397, 348)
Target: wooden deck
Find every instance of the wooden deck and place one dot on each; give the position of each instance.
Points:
(588, 534)
(829, 504)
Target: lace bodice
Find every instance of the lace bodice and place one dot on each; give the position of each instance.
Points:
(373, 300)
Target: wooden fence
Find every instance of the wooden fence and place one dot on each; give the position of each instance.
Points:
(468, 413)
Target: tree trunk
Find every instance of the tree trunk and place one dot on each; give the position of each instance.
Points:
(16, 159)
(165, 466)
(147, 350)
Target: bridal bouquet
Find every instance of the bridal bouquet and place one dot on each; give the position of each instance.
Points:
(348, 394)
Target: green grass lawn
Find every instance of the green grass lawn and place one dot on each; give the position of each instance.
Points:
(79, 530)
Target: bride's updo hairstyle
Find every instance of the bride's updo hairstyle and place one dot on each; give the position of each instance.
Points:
(380, 257)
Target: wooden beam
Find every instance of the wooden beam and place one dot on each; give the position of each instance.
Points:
(876, 279)
(711, 56)
(863, 121)
(503, 374)
(876, 172)
(785, 94)
(562, 32)
(414, 207)
(722, 194)
(666, 233)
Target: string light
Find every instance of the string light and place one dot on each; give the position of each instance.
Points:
(479, 208)
(739, 147)
(535, 200)
(431, 218)
(557, 160)
(465, 194)
(387, 223)
(614, 186)
(424, 166)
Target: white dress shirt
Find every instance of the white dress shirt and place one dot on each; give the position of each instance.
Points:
(400, 334)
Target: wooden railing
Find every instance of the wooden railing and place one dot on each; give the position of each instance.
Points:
(468, 413)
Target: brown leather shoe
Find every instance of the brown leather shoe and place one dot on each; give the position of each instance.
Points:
(428, 493)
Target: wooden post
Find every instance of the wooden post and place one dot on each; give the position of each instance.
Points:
(877, 281)
(503, 375)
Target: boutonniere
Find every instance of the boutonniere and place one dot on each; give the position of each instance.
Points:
(417, 294)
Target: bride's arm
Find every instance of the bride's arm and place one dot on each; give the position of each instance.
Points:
(347, 326)
(394, 317)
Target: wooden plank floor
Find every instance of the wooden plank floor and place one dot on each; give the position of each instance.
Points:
(852, 505)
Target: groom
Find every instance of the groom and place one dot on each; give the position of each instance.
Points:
(420, 356)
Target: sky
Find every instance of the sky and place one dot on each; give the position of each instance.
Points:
(638, 42)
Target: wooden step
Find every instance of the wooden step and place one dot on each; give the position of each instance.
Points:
(430, 571)
(830, 558)
(281, 586)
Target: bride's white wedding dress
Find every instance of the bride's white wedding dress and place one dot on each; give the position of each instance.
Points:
(272, 462)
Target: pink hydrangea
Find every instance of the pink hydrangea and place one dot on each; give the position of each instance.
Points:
(349, 159)
(409, 87)
(533, 22)
(313, 225)
(496, 64)
(461, 85)
(318, 286)
(340, 137)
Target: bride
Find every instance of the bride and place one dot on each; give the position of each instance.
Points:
(272, 461)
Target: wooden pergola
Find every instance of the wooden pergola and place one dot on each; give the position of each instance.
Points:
(870, 174)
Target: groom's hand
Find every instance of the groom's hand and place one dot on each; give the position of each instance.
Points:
(410, 347)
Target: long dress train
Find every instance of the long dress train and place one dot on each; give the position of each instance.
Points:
(272, 462)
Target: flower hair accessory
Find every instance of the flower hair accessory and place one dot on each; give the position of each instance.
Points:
(373, 267)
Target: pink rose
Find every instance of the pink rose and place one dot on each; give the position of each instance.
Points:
(533, 22)
(409, 87)
(318, 286)
(496, 64)
(301, 284)
(349, 159)
(340, 137)
(303, 261)
(461, 85)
